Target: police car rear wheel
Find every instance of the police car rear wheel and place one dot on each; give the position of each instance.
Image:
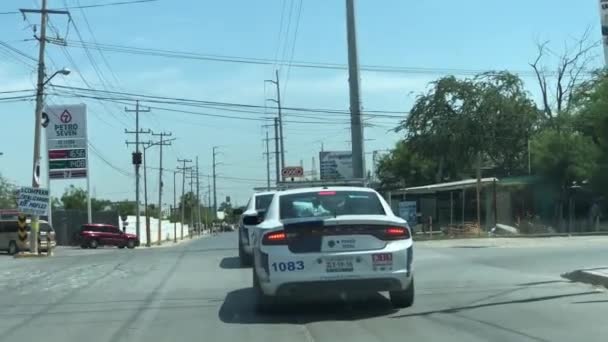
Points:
(404, 298)
(263, 303)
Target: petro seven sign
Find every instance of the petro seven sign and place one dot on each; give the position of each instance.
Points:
(66, 137)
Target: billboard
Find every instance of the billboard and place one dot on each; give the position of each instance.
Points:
(407, 211)
(604, 21)
(66, 141)
(336, 165)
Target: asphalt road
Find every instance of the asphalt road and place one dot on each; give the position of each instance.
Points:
(196, 291)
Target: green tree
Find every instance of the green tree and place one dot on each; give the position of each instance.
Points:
(456, 120)
(404, 167)
(126, 207)
(564, 157)
(591, 119)
(76, 198)
(7, 194)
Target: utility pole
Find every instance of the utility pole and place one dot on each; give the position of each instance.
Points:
(214, 183)
(183, 204)
(209, 199)
(278, 102)
(198, 198)
(173, 210)
(267, 162)
(191, 208)
(479, 190)
(355, 104)
(137, 160)
(276, 150)
(161, 143)
(44, 12)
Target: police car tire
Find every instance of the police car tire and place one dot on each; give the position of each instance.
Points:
(243, 257)
(263, 303)
(403, 298)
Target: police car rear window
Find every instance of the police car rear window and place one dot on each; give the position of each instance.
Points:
(330, 203)
(262, 202)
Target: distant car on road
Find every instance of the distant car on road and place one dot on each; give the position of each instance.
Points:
(252, 216)
(331, 240)
(95, 235)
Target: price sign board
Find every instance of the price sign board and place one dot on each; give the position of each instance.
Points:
(66, 135)
(79, 153)
(68, 164)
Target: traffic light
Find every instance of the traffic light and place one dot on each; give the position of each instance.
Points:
(137, 158)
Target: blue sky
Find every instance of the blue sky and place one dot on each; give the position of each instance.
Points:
(470, 34)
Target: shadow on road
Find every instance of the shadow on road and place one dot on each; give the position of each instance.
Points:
(231, 263)
(239, 308)
(477, 306)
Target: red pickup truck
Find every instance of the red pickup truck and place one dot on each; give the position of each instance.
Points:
(95, 235)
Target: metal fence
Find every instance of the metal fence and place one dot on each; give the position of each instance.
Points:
(67, 223)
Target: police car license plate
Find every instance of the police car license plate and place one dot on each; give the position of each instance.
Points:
(336, 265)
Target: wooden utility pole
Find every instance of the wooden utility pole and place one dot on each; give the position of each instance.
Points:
(137, 159)
(183, 202)
(161, 143)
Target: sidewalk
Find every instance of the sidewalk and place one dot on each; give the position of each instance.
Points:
(595, 276)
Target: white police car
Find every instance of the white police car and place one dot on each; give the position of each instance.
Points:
(331, 240)
(253, 214)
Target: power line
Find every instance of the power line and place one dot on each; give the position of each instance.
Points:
(297, 64)
(17, 51)
(103, 57)
(103, 159)
(94, 5)
(276, 52)
(293, 47)
(218, 105)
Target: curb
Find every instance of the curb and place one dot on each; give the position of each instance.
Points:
(514, 236)
(588, 276)
(30, 255)
(170, 243)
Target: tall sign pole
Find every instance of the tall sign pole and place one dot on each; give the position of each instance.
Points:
(355, 104)
(604, 21)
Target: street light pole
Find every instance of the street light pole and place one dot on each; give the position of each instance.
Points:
(40, 83)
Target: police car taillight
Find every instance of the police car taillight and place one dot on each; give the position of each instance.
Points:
(275, 238)
(396, 233)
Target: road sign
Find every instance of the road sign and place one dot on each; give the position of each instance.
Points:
(292, 171)
(68, 164)
(67, 174)
(79, 153)
(336, 165)
(34, 201)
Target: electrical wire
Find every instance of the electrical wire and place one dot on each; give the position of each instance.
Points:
(93, 5)
(297, 64)
(217, 105)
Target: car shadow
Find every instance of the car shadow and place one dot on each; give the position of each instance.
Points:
(454, 310)
(239, 308)
(231, 263)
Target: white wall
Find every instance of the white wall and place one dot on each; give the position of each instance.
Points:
(166, 229)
